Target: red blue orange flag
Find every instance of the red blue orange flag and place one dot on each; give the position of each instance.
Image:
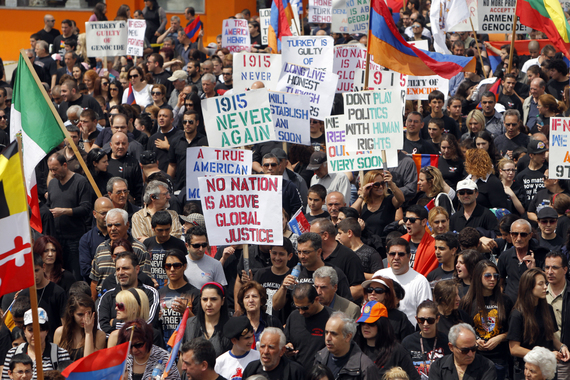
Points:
(108, 363)
(423, 160)
(175, 342)
(131, 95)
(279, 25)
(193, 29)
(389, 49)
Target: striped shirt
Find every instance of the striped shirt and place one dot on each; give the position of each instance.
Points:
(156, 354)
(47, 363)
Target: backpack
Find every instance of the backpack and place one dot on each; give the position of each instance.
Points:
(52, 355)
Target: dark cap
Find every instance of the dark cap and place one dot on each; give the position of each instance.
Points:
(237, 327)
(316, 160)
(547, 213)
(536, 146)
(279, 153)
(147, 157)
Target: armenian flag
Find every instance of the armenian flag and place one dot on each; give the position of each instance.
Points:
(108, 363)
(175, 342)
(131, 95)
(548, 17)
(193, 29)
(279, 24)
(423, 160)
(389, 49)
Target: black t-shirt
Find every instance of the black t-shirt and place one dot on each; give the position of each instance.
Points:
(162, 154)
(553, 244)
(419, 147)
(376, 221)
(452, 171)
(439, 274)
(318, 143)
(170, 319)
(348, 262)
(447, 321)
(48, 36)
(450, 126)
(307, 334)
(503, 143)
(157, 252)
(432, 349)
(324, 214)
(49, 65)
(271, 282)
(369, 258)
(84, 101)
(532, 181)
(511, 102)
(556, 89)
(162, 79)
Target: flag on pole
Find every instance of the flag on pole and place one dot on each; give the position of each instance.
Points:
(16, 261)
(444, 15)
(175, 342)
(423, 160)
(389, 49)
(193, 29)
(108, 363)
(299, 223)
(279, 24)
(32, 116)
(131, 95)
(548, 17)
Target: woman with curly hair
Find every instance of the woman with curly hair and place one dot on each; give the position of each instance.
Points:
(451, 161)
(92, 82)
(431, 182)
(52, 254)
(480, 170)
(252, 299)
(79, 334)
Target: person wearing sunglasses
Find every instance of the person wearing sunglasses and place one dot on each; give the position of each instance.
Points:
(422, 244)
(427, 344)
(4, 128)
(130, 305)
(158, 92)
(463, 362)
(471, 213)
(208, 268)
(375, 337)
(532, 322)
(548, 237)
(489, 311)
(140, 89)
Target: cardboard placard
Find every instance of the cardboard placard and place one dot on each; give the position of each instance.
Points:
(320, 11)
(496, 16)
(419, 88)
(347, 59)
(290, 115)
(135, 42)
(311, 51)
(264, 21)
(559, 152)
(253, 67)
(106, 38)
(235, 35)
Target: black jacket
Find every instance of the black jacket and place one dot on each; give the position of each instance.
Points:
(481, 369)
(291, 370)
(358, 367)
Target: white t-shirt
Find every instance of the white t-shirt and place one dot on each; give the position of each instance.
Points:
(417, 290)
(207, 269)
(142, 97)
(231, 367)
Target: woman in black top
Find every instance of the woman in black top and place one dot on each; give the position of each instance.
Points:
(479, 166)
(450, 163)
(466, 261)
(252, 299)
(446, 296)
(52, 255)
(97, 162)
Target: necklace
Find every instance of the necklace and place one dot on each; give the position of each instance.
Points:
(143, 363)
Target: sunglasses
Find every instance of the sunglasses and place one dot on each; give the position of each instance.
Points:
(464, 192)
(3, 117)
(198, 245)
(429, 320)
(271, 164)
(466, 350)
(521, 234)
(189, 104)
(488, 276)
(376, 185)
(120, 306)
(304, 308)
(168, 266)
(191, 122)
(138, 346)
(157, 93)
(113, 89)
(401, 254)
(511, 124)
(376, 290)
(104, 83)
(412, 220)
(548, 221)
(133, 76)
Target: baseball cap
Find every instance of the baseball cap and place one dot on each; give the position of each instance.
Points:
(178, 75)
(536, 146)
(43, 318)
(237, 327)
(147, 157)
(372, 311)
(547, 212)
(376, 279)
(316, 160)
(466, 184)
(195, 219)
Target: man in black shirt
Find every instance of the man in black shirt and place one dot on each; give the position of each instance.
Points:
(470, 214)
(46, 61)
(558, 72)
(160, 141)
(446, 247)
(48, 33)
(228, 80)
(160, 76)
(72, 96)
(66, 35)
(532, 178)
(413, 143)
(512, 138)
(436, 101)
(122, 164)
(508, 97)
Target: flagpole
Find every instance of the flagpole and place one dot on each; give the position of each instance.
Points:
(478, 50)
(515, 19)
(61, 126)
(33, 291)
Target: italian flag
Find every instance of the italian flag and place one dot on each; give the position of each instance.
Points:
(548, 17)
(34, 116)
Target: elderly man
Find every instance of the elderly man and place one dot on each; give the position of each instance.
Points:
(91, 239)
(540, 364)
(119, 123)
(49, 65)
(331, 181)
(118, 193)
(334, 201)
(117, 221)
(156, 198)
(272, 364)
(463, 362)
(160, 141)
(513, 138)
(178, 80)
(208, 85)
(325, 280)
(122, 164)
(530, 104)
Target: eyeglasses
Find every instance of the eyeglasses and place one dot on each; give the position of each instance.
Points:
(376, 185)
(104, 83)
(198, 245)
(270, 164)
(466, 350)
(189, 104)
(133, 76)
(411, 220)
(521, 234)
(168, 266)
(401, 254)
(120, 306)
(305, 253)
(138, 346)
(157, 93)
(315, 122)
(511, 124)
(376, 290)
(191, 122)
(421, 321)
(548, 221)
(465, 192)
(226, 73)
(488, 276)
(119, 192)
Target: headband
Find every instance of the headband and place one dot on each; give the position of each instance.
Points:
(136, 294)
(215, 284)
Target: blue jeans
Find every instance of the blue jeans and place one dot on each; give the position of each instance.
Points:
(501, 371)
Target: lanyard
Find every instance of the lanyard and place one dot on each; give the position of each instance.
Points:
(424, 355)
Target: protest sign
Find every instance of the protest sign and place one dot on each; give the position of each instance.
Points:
(419, 88)
(208, 162)
(339, 21)
(348, 58)
(319, 85)
(379, 79)
(252, 67)
(135, 41)
(235, 35)
(370, 122)
(264, 21)
(339, 159)
(496, 16)
(290, 114)
(242, 209)
(320, 11)
(311, 51)
(465, 25)
(106, 38)
(559, 152)
(238, 120)
(357, 16)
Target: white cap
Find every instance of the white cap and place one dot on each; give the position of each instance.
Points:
(43, 318)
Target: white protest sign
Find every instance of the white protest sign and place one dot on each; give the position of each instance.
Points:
(340, 160)
(320, 11)
(358, 15)
(252, 67)
(235, 35)
(419, 88)
(310, 51)
(496, 16)
(559, 152)
(319, 85)
(339, 22)
(242, 209)
(290, 114)
(465, 25)
(348, 58)
(379, 79)
(106, 38)
(370, 122)
(208, 162)
(264, 21)
(238, 120)
(135, 42)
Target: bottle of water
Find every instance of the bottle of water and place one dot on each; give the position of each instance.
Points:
(295, 273)
(158, 370)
